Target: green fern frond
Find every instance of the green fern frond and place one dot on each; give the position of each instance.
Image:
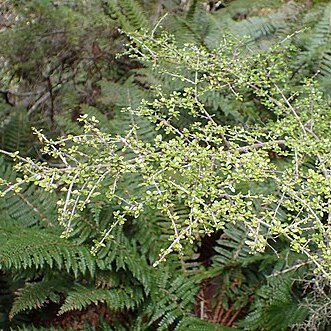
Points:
(116, 299)
(24, 248)
(191, 25)
(128, 13)
(196, 324)
(171, 299)
(122, 97)
(35, 295)
(231, 249)
(140, 270)
(94, 220)
(122, 254)
(264, 28)
(108, 278)
(261, 21)
(16, 133)
(116, 98)
(315, 43)
(27, 207)
(275, 308)
(154, 224)
(35, 328)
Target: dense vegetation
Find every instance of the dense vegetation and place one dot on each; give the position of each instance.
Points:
(165, 165)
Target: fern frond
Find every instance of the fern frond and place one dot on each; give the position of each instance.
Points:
(231, 249)
(35, 295)
(129, 14)
(116, 98)
(35, 328)
(196, 324)
(263, 28)
(192, 28)
(16, 133)
(24, 248)
(122, 254)
(29, 206)
(95, 219)
(116, 299)
(275, 308)
(315, 43)
(171, 299)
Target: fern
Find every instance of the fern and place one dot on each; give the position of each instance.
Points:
(35, 328)
(191, 28)
(16, 133)
(231, 248)
(29, 206)
(262, 29)
(315, 45)
(32, 248)
(260, 21)
(102, 325)
(275, 308)
(117, 299)
(115, 99)
(237, 276)
(35, 295)
(128, 13)
(170, 300)
(196, 324)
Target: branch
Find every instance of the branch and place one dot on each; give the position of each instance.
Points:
(246, 149)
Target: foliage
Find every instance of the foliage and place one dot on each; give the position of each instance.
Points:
(314, 55)
(228, 160)
(220, 132)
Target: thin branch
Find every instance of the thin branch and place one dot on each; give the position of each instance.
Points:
(293, 268)
(246, 149)
(38, 103)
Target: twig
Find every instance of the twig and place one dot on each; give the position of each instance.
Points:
(233, 318)
(225, 318)
(295, 267)
(38, 103)
(259, 145)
